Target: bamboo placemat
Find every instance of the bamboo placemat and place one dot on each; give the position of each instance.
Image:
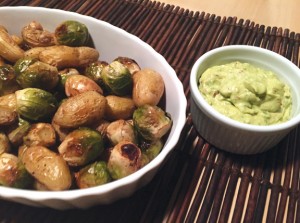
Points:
(198, 182)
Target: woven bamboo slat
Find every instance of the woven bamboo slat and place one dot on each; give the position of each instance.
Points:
(198, 183)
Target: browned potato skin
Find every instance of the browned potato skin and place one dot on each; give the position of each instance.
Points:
(65, 56)
(7, 116)
(119, 107)
(40, 134)
(9, 101)
(76, 84)
(4, 143)
(48, 167)
(80, 110)
(148, 87)
(34, 52)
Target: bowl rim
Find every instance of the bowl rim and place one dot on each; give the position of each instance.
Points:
(72, 194)
(217, 116)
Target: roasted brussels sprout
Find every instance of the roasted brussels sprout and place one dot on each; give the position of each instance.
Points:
(72, 33)
(4, 143)
(117, 79)
(125, 158)
(48, 167)
(119, 107)
(93, 175)
(151, 149)
(151, 122)
(13, 173)
(35, 104)
(34, 35)
(81, 146)
(80, 110)
(77, 84)
(131, 64)
(16, 133)
(40, 134)
(120, 130)
(8, 83)
(94, 70)
(35, 74)
(9, 49)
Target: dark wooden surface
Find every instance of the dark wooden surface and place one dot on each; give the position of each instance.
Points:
(198, 183)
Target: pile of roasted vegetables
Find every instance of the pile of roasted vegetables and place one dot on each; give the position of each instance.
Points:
(69, 120)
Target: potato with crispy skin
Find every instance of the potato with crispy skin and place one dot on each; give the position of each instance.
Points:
(148, 87)
(65, 56)
(47, 167)
(80, 110)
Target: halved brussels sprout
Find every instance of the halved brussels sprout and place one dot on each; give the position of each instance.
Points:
(94, 70)
(16, 133)
(151, 122)
(35, 104)
(81, 146)
(36, 74)
(120, 130)
(117, 78)
(13, 172)
(131, 64)
(125, 158)
(8, 83)
(93, 175)
(151, 149)
(72, 33)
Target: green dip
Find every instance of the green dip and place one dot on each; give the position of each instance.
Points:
(246, 93)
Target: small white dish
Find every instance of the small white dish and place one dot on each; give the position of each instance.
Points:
(231, 135)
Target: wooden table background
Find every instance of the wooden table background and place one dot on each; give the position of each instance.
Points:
(278, 13)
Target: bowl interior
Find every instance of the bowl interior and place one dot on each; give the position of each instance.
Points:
(286, 71)
(111, 43)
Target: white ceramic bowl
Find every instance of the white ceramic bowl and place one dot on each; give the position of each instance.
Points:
(111, 42)
(231, 135)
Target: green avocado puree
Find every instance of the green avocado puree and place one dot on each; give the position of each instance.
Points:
(246, 93)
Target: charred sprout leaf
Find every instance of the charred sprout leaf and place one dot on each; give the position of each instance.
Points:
(125, 158)
(94, 70)
(152, 149)
(93, 175)
(4, 143)
(47, 167)
(36, 74)
(72, 33)
(13, 173)
(17, 133)
(35, 104)
(117, 78)
(151, 122)
(8, 83)
(131, 64)
(81, 146)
